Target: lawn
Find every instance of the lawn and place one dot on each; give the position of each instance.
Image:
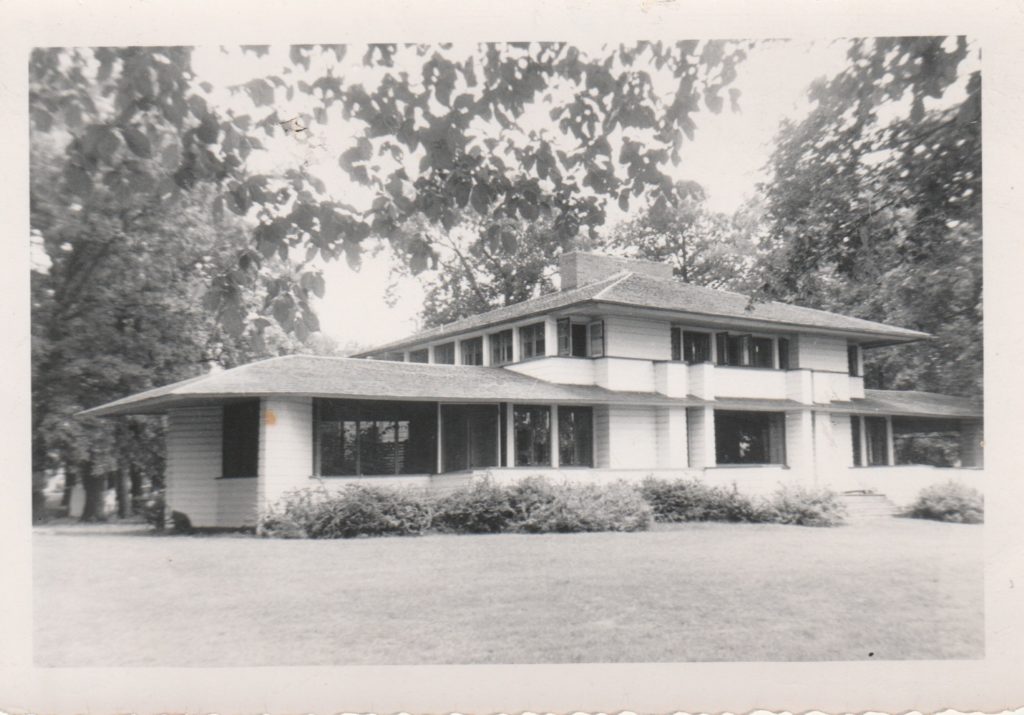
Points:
(892, 589)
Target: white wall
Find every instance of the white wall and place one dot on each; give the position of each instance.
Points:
(672, 378)
(194, 465)
(902, 484)
(602, 430)
(672, 437)
(565, 370)
(752, 383)
(700, 436)
(800, 443)
(286, 446)
(638, 338)
(821, 352)
(624, 374)
(632, 438)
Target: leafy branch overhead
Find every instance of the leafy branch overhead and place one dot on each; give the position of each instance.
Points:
(505, 131)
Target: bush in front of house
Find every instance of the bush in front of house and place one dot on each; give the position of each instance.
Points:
(681, 500)
(480, 507)
(949, 501)
(354, 510)
(584, 507)
(805, 506)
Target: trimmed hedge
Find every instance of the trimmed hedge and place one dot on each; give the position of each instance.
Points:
(949, 501)
(534, 505)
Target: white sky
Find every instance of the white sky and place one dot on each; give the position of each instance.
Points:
(726, 157)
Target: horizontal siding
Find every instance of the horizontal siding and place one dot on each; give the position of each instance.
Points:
(671, 437)
(602, 437)
(638, 338)
(634, 442)
(564, 370)
(700, 437)
(194, 463)
(286, 446)
(751, 383)
(819, 352)
(625, 375)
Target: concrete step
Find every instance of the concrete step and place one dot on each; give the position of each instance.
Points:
(868, 506)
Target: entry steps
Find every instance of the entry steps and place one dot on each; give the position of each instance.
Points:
(867, 506)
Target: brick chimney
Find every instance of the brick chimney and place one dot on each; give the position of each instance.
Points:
(578, 269)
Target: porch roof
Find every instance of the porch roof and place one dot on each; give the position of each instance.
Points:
(316, 376)
(912, 403)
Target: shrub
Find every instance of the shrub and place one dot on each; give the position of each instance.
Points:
(529, 494)
(682, 500)
(481, 507)
(802, 506)
(356, 510)
(949, 501)
(583, 507)
(154, 510)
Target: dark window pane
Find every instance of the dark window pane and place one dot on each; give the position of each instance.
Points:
(419, 356)
(855, 434)
(501, 347)
(355, 437)
(564, 337)
(473, 351)
(696, 347)
(761, 352)
(531, 341)
(240, 439)
(533, 435)
(444, 354)
(579, 340)
(851, 359)
(749, 437)
(575, 436)
(597, 339)
(783, 353)
(877, 433)
(676, 338)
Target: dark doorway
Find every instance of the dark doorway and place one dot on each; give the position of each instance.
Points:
(469, 437)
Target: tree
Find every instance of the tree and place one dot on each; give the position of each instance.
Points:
(505, 131)
(877, 211)
(116, 308)
(704, 247)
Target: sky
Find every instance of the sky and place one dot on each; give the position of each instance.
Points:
(727, 157)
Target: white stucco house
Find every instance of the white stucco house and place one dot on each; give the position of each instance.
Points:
(624, 372)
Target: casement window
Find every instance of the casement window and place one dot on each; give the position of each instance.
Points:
(531, 341)
(362, 437)
(761, 352)
(532, 425)
(877, 433)
(853, 360)
(576, 436)
(469, 437)
(690, 346)
(240, 439)
(472, 351)
(419, 355)
(732, 349)
(572, 338)
(696, 347)
(750, 437)
(597, 344)
(858, 456)
(783, 353)
(444, 354)
(501, 347)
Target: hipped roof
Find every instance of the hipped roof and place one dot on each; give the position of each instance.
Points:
(637, 291)
(315, 376)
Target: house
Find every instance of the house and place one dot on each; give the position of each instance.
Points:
(623, 373)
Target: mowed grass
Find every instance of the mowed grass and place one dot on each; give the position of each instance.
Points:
(892, 589)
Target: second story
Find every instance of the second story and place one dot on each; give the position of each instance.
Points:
(629, 325)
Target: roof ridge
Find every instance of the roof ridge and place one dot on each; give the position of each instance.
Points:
(622, 275)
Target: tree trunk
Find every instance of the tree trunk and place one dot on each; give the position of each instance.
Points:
(95, 486)
(121, 489)
(69, 485)
(135, 474)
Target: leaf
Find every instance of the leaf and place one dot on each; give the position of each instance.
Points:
(78, 180)
(260, 91)
(107, 143)
(138, 142)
